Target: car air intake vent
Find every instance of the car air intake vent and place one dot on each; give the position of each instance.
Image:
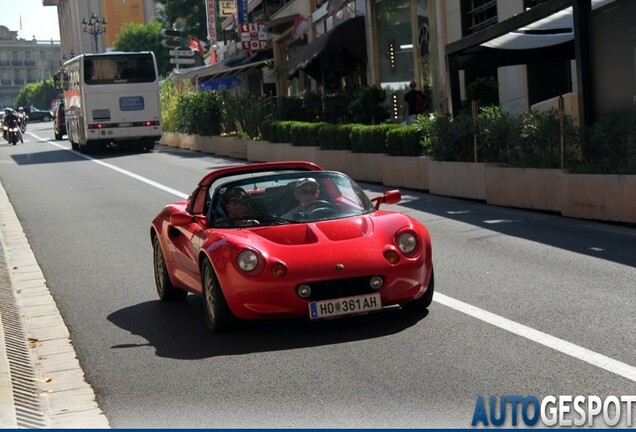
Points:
(101, 115)
(325, 290)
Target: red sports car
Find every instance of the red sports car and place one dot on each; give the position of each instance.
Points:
(288, 239)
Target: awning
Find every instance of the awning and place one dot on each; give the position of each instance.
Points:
(349, 35)
(220, 70)
(552, 30)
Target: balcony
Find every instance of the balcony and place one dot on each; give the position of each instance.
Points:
(16, 62)
(18, 81)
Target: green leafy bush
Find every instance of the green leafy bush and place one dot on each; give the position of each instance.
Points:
(497, 132)
(244, 113)
(368, 105)
(539, 145)
(199, 113)
(446, 138)
(610, 145)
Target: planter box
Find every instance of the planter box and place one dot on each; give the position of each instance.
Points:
(405, 171)
(207, 144)
(333, 160)
(603, 197)
(223, 145)
(170, 139)
(278, 152)
(364, 166)
(531, 188)
(457, 179)
(257, 151)
(239, 149)
(186, 142)
(303, 153)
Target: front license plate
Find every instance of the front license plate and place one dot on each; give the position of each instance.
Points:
(344, 306)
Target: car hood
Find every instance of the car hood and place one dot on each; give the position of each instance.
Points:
(338, 230)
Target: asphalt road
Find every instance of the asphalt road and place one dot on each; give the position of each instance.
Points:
(526, 303)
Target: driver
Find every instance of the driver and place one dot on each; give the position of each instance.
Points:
(8, 120)
(235, 201)
(306, 191)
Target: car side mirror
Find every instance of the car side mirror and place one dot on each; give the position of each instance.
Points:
(181, 219)
(389, 197)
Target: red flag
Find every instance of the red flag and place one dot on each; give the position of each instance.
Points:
(213, 58)
(301, 26)
(195, 45)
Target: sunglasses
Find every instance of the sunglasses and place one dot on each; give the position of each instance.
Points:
(307, 191)
(237, 202)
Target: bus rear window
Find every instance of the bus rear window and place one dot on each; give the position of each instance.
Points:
(119, 69)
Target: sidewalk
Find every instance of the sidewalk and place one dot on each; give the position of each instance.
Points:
(40, 360)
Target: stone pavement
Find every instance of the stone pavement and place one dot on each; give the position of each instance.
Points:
(41, 382)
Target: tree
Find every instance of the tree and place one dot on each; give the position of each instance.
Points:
(40, 95)
(144, 37)
(185, 15)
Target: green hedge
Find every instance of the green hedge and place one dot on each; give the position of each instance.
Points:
(404, 141)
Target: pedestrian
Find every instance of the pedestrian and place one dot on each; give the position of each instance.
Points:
(414, 102)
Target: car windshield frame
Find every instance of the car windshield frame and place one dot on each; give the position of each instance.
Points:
(272, 199)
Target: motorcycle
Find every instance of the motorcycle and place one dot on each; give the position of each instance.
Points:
(22, 121)
(12, 132)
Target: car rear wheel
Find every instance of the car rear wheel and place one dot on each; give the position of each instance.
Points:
(165, 289)
(425, 301)
(218, 316)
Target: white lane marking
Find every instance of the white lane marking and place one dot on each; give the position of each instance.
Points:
(583, 354)
(565, 347)
(120, 170)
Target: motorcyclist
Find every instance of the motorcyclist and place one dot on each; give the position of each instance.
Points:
(22, 119)
(10, 120)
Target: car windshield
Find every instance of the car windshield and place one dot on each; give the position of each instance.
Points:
(285, 198)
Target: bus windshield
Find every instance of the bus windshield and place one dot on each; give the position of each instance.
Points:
(118, 69)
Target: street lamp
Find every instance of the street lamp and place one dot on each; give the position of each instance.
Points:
(94, 26)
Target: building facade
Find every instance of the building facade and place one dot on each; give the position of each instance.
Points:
(117, 13)
(24, 61)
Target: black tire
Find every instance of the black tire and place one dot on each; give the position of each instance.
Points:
(218, 316)
(165, 289)
(425, 301)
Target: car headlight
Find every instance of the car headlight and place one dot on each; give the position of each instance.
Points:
(247, 260)
(407, 242)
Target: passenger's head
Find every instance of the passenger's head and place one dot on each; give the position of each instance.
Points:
(21, 109)
(235, 200)
(306, 190)
(413, 84)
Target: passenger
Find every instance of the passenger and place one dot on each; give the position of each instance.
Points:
(306, 191)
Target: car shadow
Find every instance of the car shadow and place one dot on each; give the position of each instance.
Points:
(178, 330)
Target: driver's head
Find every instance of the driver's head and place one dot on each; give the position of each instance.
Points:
(7, 111)
(21, 109)
(235, 200)
(307, 190)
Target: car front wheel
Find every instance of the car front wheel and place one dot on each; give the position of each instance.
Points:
(425, 301)
(165, 289)
(218, 316)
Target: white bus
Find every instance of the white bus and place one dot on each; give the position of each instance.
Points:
(112, 98)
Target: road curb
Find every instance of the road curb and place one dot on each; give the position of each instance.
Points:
(67, 399)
